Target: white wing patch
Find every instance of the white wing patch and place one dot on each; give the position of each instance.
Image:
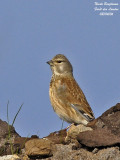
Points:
(81, 112)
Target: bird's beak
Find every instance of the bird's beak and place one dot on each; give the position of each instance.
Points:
(50, 62)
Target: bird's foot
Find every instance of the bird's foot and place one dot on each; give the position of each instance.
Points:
(69, 126)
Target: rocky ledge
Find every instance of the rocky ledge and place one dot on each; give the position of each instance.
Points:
(99, 140)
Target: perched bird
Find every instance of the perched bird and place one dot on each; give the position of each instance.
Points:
(67, 98)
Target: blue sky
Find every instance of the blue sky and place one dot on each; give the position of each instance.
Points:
(31, 33)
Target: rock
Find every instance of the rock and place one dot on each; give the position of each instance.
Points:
(75, 130)
(20, 141)
(111, 119)
(39, 148)
(98, 138)
(10, 157)
(7, 137)
(106, 130)
(25, 157)
(57, 137)
(65, 152)
(81, 142)
(4, 130)
(111, 153)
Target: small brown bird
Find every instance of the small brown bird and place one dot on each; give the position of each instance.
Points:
(66, 96)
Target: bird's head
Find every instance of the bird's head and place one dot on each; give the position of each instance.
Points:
(60, 65)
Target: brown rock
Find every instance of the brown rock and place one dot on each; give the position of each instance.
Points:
(111, 153)
(75, 130)
(98, 138)
(4, 130)
(111, 119)
(20, 141)
(38, 148)
(106, 129)
(57, 137)
(10, 157)
(65, 152)
(7, 136)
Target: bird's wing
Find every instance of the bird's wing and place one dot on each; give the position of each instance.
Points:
(71, 93)
(88, 116)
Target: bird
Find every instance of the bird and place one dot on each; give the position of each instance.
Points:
(66, 97)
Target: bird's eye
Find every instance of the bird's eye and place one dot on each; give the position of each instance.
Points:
(59, 61)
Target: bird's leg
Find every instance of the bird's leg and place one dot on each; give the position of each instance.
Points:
(62, 124)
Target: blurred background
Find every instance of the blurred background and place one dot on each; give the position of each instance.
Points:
(31, 33)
